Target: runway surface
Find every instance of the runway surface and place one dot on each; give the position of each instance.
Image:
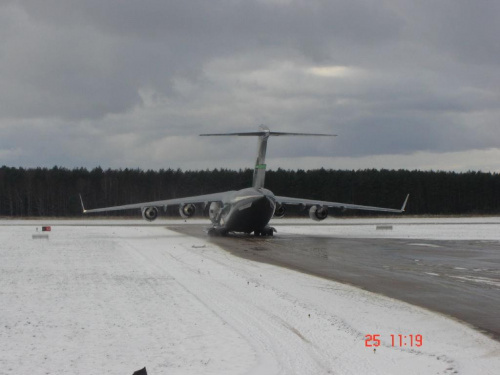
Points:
(457, 278)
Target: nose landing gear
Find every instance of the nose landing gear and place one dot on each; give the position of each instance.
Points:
(267, 232)
(216, 232)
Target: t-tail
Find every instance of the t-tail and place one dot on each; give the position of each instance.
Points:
(259, 173)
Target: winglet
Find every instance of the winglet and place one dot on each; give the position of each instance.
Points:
(81, 201)
(404, 204)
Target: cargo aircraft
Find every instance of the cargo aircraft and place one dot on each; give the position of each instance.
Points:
(247, 210)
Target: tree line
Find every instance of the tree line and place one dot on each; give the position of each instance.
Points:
(34, 192)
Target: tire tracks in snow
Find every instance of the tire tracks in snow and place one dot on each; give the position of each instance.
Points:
(228, 302)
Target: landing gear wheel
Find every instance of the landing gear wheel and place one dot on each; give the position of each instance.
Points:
(216, 232)
(267, 231)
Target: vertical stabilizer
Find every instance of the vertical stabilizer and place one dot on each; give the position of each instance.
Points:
(259, 173)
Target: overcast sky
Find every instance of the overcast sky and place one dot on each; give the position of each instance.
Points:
(127, 83)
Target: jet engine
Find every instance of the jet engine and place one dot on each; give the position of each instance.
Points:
(187, 210)
(318, 213)
(149, 213)
(279, 211)
(213, 211)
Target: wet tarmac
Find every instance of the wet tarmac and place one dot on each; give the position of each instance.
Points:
(457, 278)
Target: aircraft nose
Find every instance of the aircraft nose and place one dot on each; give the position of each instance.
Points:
(263, 201)
(271, 201)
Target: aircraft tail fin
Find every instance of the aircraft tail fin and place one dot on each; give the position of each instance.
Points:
(264, 133)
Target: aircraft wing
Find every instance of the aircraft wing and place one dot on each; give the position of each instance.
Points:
(312, 202)
(217, 197)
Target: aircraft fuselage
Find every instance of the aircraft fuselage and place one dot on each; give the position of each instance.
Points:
(247, 210)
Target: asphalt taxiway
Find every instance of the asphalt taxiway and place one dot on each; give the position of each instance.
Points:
(457, 278)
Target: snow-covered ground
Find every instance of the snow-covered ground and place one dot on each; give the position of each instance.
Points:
(112, 299)
(440, 228)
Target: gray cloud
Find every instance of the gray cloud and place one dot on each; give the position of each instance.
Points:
(127, 83)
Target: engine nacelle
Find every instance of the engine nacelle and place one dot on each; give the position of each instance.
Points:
(149, 213)
(279, 211)
(213, 211)
(187, 210)
(318, 213)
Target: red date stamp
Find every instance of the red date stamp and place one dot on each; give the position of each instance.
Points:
(398, 340)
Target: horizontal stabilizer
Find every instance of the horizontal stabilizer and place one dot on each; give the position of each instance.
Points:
(263, 133)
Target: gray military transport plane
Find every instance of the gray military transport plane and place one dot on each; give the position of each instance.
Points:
(248, 210)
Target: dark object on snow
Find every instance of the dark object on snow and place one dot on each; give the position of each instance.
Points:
(141, 372)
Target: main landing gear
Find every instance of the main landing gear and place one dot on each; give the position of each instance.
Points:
(216, 232)
(267, 232)
(221, 232)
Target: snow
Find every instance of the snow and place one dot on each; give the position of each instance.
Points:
(477, 228)
(111, 299)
